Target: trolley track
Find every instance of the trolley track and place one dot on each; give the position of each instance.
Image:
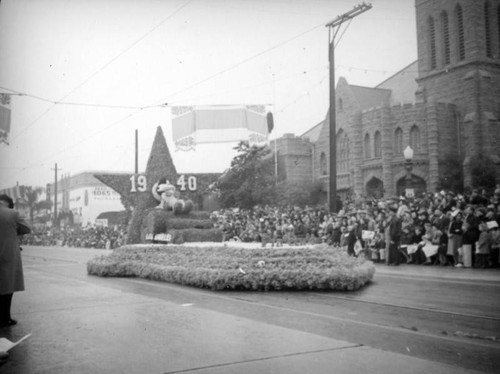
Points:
(445, 333)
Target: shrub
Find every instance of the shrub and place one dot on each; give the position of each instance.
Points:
(221, 267)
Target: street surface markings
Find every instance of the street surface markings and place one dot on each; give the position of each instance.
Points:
(264, 359)
(330, 317)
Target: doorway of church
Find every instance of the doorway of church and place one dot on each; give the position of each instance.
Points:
(411, 187)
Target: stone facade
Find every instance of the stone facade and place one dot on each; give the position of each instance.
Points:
(460, 65)
(445, 106)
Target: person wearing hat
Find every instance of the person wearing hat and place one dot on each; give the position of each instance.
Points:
(395, 231)
(454, 237)
(483, 246)
(442, 223)
(472, 228)
(11, 269)
(351, 240)
(450, 202)
(495, 243)
(477, 199)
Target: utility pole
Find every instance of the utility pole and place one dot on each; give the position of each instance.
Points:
(55, 194)
(275, 137)
(333, 28)
(136, 152)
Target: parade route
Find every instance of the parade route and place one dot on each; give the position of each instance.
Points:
(86, 324)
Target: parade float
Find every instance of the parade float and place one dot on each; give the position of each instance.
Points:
(170, 240)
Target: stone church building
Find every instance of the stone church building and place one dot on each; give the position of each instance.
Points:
(445, 106)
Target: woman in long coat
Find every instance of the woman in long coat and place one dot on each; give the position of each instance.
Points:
(11, 268)
(455, 237)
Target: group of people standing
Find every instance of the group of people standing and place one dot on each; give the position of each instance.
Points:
(454, 230)
(441, 228)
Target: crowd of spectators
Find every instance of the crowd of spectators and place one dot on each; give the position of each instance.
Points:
(442, 228)
(78, 236)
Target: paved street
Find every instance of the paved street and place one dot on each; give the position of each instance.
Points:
(410, 319)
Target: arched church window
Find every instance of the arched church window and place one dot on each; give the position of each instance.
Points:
(377, 148)
(498, 24)
(398, 141)
(415, 138)
(487, 29)
(460, 32)
(323, 166)
(368, 151)
(432, 42)
(342, 152)
(446, 37)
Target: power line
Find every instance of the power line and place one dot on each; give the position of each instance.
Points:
(282, 109)
(244, 61)
(73, 145)
(102, 68)
(136, 107)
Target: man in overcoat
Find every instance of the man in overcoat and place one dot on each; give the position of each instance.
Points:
(11, 268)
(395, 230)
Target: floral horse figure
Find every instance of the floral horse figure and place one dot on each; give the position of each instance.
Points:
(166, 194)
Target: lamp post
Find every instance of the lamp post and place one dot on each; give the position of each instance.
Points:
(408, 155)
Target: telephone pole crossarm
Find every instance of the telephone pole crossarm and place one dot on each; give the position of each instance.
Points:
(357, 10)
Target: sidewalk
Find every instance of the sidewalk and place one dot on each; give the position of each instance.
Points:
(440, 272)
(83, 324)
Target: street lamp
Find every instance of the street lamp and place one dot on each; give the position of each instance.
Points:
(408, 155)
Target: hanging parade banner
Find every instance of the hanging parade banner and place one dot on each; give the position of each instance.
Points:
(4, 118)
(192, 125)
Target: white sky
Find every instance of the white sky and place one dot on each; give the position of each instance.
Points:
(184, 52)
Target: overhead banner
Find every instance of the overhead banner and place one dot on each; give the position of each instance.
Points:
(4, 118)
(15, 193)
(218, 124)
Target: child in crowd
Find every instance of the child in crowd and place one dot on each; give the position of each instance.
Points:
(351, 240)
(468, 238)
(278, 234)
(483, 246)
(377, 246)
(495, 244)
(289, 236)
(343, 238)
(415, 254)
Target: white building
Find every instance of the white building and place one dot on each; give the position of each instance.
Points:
(85, 197)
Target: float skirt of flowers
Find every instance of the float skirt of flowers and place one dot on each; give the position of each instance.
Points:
(223, 267)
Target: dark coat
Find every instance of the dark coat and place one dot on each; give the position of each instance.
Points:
(11, 268)
(395, 230)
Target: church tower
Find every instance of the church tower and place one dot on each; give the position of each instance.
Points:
(459, 64)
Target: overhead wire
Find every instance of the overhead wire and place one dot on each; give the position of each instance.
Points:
(244, 61)
(53, 104)
(162, 102)
(122, 106)
(73, 145)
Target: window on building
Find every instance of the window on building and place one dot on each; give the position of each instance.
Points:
(377, 144)
(398, 141)
(368, 151)
(498, 24)
(340, 104)
(323, 165)
(415, 138)
(487, 29)
(446, 37)
(342, 152)
(432, 42)
(460, 32)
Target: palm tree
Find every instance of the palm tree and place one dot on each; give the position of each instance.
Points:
(30, 199)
